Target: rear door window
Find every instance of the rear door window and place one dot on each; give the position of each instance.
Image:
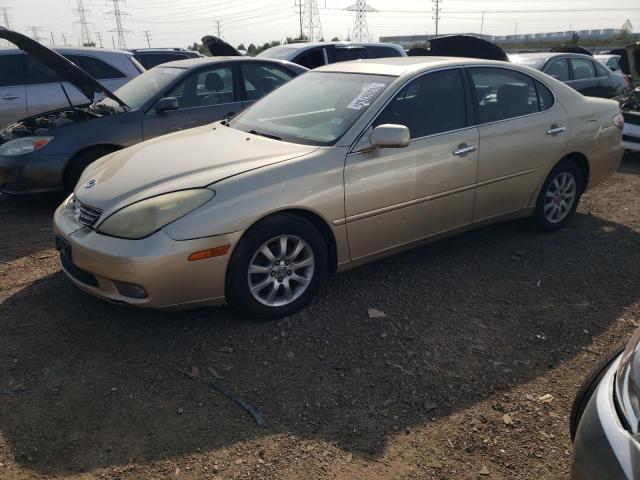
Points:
(502, 94)
(260, 79)
(11, 70)
(558, 69)
(95, 67)
(311, 59)
(431, 104)
(582, 69)
(346, 54)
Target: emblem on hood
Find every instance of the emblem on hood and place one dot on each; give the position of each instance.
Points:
(90, 183)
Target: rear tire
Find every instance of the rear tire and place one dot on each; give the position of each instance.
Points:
(558, 197)
(81, 161)
(277, 268)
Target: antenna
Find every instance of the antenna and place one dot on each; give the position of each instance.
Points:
(118, 15)
(311, 20)
(146, 34)
(34, 32)
(360, 27)
(436, 13)
(85, 35)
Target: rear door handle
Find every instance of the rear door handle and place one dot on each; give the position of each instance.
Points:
(10, 97)
(555, 130)
(463, 149)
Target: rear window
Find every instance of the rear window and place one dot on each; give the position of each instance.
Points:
(376, 51)
(346, 54)
(311, 59)
(95, 67)
(11, 70)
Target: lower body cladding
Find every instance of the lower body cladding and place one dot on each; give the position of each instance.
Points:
(31, 173)
(602, 448)
(151, 272)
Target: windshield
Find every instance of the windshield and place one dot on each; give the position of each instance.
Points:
(316, 108)
(533, 62)
(142, 88)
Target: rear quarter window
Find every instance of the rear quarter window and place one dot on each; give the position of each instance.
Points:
(545, 97)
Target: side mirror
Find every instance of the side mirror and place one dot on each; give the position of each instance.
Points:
(390, 136)
(165, 104)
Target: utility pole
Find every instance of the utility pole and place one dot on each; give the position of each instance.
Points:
(482, 23)
(360, 27)
(218, 29)
(118, 15)
(53, 42)
(436, 13)
(146, 34)
(311, 20)
(64, 39)
(85, 34)
(298, 5)
(515, 31)
(99, 35)
(5, 18)
(34, 32)
(113, 41)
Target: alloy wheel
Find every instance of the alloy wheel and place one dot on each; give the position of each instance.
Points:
(560, 197)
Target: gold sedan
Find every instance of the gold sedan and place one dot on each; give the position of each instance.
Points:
(342, 165)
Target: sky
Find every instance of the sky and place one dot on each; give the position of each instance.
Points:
(179, 23)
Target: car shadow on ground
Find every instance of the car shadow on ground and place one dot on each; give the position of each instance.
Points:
(25, 225)
(88, 384)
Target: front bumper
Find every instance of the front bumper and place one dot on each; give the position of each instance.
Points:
(32, 173)
(157, 263)
(602, 447)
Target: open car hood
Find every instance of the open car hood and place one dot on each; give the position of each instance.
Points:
(629, 60)
(67, 70)
(571, 49)
(465, 46)
(219, 48)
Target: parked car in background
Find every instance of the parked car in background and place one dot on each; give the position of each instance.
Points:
(579, 71)
(342, 165)
(49, 151)
(313, 55)
(605, 418)
(611, 61)
(28, 87)
(150, 57)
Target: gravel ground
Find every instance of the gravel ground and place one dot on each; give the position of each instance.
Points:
(470, 373)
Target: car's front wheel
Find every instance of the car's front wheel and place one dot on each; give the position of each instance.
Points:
(277, 268)
(559, 197)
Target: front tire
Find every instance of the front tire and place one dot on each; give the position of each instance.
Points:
(277, 268)
(559, 197)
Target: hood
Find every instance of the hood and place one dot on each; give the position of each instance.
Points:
(191, 158)
(466, 46)
(219, 48)
(67, 70)
(629, 60)
(571, 49)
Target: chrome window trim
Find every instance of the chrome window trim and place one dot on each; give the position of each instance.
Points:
(459, 67)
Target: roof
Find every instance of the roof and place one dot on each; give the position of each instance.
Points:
(73, 50)
(548, 55)
(338, 44)
(195, 62)
(397, 66)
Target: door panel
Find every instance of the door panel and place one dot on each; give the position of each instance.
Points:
(396, 196)
(515, 148)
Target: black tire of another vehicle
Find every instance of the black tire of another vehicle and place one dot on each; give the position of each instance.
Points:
(238, 291)
(588, 387)
(80, 162)
(539, 218)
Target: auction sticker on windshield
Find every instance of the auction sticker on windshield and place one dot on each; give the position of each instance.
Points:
(364, 98)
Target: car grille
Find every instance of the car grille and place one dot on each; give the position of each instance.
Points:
(88, 215)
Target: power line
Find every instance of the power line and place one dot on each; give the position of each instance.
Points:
(35, 29)
(85, 34)
(436, 13)
(360, 27)
(118, 15)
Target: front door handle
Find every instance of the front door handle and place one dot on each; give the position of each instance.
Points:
(10, 97)
(463, 149)
(555, 130)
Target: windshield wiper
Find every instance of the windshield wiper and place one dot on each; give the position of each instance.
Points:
(274, 137)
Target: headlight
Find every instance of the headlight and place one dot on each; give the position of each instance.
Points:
(628, 383)
(143, 218)
(22, 146)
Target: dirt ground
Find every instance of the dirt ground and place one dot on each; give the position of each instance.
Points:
(470, 374)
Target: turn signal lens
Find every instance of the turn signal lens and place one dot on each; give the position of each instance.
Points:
(618, 121)
(209, 253)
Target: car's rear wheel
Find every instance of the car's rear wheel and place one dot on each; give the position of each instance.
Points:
(559, 197)
(277, 268)
(81, 161)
